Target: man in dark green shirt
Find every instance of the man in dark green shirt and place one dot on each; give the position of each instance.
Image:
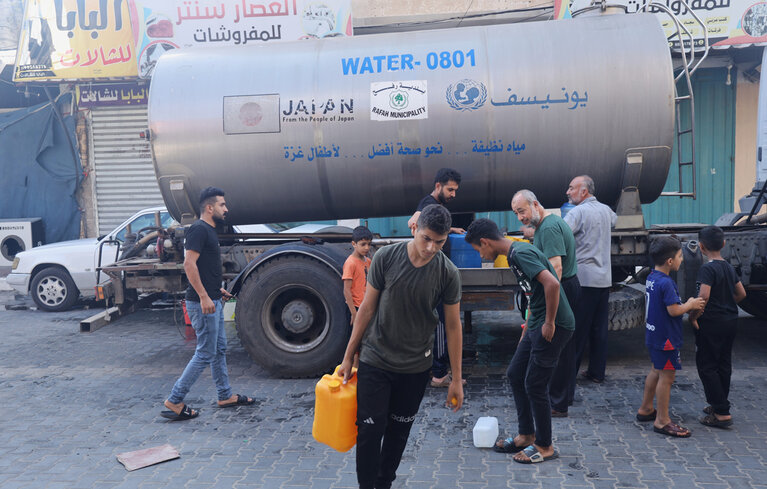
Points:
(556, 241)
(549, 327)
(394, 335)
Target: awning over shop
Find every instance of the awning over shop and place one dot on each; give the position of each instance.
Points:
(41, 172)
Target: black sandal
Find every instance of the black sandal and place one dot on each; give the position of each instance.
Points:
(241, 401)
(506, 446)
(714, 422)
(185, 413)
(647, 417)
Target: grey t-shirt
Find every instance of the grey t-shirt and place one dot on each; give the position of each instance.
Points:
(400, 336)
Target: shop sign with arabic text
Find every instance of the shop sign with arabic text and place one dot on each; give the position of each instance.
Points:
(93, 39)
(728, 22)
(111, 94)
(75, 39)
(162, 25)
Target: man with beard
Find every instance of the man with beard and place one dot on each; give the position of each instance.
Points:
(591, 222)
(446, 183)
(554, 238)
(204, 304)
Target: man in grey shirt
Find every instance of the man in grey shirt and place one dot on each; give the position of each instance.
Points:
(591, 222)
(394, 334)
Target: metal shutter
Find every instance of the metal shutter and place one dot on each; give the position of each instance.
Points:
(714, 150)
(124, 174)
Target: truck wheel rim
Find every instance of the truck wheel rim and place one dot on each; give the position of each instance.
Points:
(51, 291)
(295, 318)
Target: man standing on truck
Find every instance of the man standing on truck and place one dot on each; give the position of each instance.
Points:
(555, 240)
(591, 222)
(446, 183)
(394, 333)
(204, 304)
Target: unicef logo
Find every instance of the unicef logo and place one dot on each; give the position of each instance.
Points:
(466, 95)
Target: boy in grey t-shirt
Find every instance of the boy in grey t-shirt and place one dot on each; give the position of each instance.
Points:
(394, 334)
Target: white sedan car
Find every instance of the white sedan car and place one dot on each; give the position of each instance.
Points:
(58, 273)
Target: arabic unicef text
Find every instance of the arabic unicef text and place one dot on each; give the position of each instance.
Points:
(407, 62)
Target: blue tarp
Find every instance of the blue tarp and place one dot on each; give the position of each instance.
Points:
(39, 172)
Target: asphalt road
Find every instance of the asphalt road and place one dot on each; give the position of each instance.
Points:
(72, 402)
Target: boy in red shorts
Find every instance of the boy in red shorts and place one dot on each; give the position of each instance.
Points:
(663, 335)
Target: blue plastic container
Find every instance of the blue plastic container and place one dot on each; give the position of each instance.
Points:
(566, 207)
(462, 254)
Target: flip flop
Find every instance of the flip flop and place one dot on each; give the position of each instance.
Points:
(506, 446)
(708, 409)
(535, 457)
(647, 417)
(241, 401)
(672, 429)
(186, 413)
(586, 375)
(714, 422)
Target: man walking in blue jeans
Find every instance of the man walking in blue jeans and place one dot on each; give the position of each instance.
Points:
(204, 304)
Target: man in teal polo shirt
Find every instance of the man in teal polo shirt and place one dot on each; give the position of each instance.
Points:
(549, 327)
(554, 238)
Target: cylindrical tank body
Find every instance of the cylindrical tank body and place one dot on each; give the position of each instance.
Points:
(357, 127)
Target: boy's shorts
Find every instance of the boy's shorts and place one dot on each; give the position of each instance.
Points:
(665, 359)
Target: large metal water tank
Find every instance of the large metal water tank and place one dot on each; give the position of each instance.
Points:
(357, 127)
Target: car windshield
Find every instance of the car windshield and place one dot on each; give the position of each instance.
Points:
(144, 221)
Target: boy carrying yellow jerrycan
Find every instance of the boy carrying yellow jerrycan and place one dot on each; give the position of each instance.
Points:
(335, 411)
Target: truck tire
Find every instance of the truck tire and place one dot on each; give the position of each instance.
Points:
(755, 303)
(53, 290)
(626, 308)
(292, 318)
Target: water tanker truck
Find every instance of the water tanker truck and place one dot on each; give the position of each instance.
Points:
(357, 127)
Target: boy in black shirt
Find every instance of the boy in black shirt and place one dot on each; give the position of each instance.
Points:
(715, 326)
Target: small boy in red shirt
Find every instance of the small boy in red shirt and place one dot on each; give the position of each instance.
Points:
(356, 269)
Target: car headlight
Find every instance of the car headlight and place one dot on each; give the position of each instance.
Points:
(15, 264)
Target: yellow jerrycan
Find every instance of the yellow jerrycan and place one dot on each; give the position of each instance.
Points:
(335, 411)
(501, 261)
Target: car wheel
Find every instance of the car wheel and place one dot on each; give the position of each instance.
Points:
(54, 290)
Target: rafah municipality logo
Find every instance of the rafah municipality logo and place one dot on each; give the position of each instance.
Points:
(398, 99)
(466, 95)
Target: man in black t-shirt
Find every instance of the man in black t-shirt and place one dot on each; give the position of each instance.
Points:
(204, 304)
(446, 183)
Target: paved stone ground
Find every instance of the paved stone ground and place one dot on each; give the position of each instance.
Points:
(71, 402)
